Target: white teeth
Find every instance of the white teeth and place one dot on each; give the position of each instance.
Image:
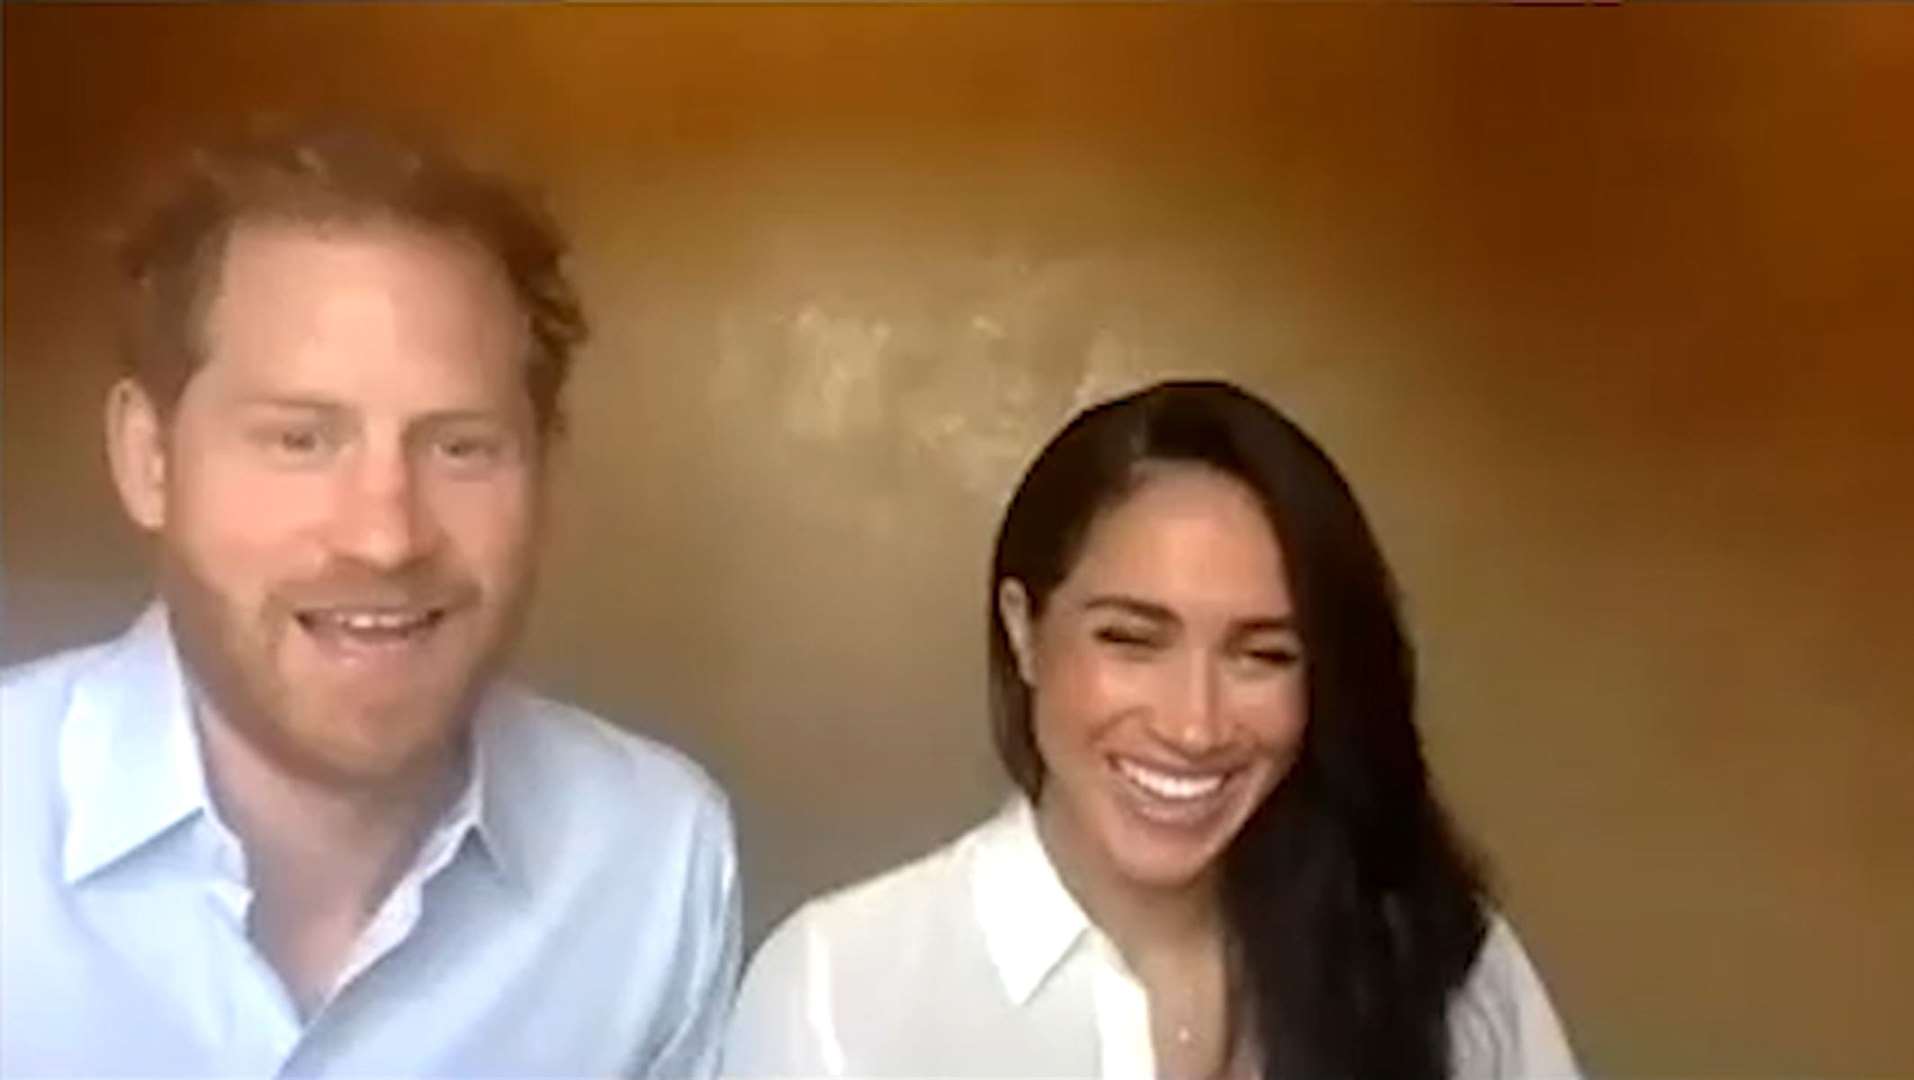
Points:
(1167, 786)
(379, 621)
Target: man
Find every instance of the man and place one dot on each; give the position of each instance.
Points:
(292, 822)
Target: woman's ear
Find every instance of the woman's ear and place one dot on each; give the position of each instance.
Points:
(136, 452)
(1013, 609)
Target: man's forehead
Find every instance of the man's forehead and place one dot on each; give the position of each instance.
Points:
(271, 245)
(377, 308)
(276, 274)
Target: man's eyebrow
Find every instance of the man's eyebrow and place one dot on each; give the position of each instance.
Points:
(458, 416)
(436, 418)
(291, 403)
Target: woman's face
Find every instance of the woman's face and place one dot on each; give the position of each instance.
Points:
(1167, 678)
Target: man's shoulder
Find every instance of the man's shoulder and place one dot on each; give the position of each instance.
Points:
(35, 698)
(606, 818)
(34, 695)
(603, 762)
(49, 678)
(38, 692)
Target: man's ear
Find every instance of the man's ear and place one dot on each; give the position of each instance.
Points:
(136, 451)
(1013, 609)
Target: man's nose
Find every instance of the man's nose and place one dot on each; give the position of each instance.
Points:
(382, 518)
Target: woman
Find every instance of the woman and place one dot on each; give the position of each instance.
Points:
(1226, 860)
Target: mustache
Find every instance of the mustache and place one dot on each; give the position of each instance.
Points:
(355, 585)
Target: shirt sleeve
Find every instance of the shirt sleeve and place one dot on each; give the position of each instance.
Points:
(1502, 1025)
(782, 1024)
(712, 924)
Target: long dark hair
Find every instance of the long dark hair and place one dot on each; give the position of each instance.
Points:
(1354, 911)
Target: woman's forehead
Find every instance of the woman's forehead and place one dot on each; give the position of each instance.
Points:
(1186, 532)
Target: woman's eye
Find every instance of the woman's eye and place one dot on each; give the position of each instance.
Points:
(1274, 656)
(1124, 636)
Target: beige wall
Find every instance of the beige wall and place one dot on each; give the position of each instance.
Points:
(1609, 315)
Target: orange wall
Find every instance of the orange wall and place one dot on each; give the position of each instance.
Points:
(1608, 313)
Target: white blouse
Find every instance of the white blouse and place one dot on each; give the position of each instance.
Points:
(976, 961)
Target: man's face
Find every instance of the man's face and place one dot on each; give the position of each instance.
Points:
(347, 494)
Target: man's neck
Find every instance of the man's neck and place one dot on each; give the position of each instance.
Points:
(320, 857)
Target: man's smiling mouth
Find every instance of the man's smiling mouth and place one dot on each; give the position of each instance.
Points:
(370, 627)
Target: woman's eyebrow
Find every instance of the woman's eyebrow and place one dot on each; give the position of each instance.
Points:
(1130, 605)
(1258, 624)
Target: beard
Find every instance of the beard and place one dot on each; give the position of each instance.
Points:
(311, 728)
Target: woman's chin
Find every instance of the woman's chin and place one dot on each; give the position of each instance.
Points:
(1150, 841)
(1167, 844)
(1151, 856)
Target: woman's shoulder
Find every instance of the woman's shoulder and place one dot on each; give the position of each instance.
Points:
(1502, 1020)
(920, 889)
(872, 922)
(836, 972)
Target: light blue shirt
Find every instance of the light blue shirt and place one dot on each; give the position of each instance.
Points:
(575, 913)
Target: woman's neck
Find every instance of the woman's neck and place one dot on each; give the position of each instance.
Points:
(1173, 941)
(1149, 924)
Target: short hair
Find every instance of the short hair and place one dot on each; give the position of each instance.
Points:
(1353, 908)
(327, 176)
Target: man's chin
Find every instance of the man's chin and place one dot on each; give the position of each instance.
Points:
(374, 749)
(367, 769)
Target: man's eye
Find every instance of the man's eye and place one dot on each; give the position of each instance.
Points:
(470, 449)
(294, 443)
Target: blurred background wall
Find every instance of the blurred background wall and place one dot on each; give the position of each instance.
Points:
(1609, 314)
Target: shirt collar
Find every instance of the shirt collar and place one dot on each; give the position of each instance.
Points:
(1030, 921)
(131, 767)
(498, 799)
